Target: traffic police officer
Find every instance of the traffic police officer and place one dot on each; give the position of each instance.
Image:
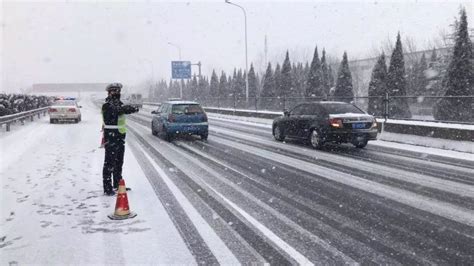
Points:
(113, 115)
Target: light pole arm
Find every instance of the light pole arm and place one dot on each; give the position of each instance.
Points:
(179, 48)
(245, 14)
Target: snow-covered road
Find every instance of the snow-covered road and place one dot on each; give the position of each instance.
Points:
(238, 198)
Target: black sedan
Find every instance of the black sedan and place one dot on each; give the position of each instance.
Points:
(322, 122)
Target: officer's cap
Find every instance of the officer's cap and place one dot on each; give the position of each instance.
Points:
(114, 87)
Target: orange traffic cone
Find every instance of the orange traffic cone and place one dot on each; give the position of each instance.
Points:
(122, 210)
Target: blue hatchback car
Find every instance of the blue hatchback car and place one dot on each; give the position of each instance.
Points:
(179, 117)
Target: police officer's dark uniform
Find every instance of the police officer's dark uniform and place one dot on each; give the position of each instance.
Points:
(113, 114)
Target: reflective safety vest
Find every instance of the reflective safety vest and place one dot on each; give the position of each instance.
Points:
(121, 125)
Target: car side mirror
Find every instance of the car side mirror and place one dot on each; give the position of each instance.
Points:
(286, 113)
(80, 106)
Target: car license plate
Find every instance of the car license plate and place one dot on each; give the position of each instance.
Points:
(358, 125)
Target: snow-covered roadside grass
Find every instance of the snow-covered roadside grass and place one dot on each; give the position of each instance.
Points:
(449, 148)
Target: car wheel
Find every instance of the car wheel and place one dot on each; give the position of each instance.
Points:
(316, 139)
(204, 136)
(51, 121)
(360, 143)
(153, 131)
(166, 135)
(76, 120)
(278, 133)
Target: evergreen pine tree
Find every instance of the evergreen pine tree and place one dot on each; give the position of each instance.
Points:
(459, 80)
(223, 89)
(297, 77)
(243, 86)
(161, 90)
(252, 83)
(294, 77)
(343, 91)
(277, 80)
(239, 89)
(268, 83)
(306, 70)
(331, 78)
(397, 84)
(170, 91)
(193, 88)
(214, 86)
(229, 87)
(203, 88)
(324, 75)
(239, 85)
(176, 89)
(233, 83)
(286, 85)
(259, 84)
(313, 85)
(302, 74)
(378, 87)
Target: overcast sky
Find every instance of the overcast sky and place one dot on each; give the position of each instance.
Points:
(97, 41)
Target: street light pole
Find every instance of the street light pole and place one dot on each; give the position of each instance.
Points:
(246, 53)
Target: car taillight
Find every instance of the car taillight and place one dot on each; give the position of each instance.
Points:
(336, 122)
(204, 119)
(52, 110)
(171, 118)
(72, 110)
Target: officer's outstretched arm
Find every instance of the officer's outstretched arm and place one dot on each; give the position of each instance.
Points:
(128, 109)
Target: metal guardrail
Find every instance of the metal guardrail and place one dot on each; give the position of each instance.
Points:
(151, 103)
(9, 119)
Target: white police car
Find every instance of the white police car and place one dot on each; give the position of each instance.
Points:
(64, 109)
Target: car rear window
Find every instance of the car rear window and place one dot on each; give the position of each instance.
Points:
(340, 108)
(187, 109)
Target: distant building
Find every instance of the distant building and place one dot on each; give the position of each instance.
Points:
(361, 70)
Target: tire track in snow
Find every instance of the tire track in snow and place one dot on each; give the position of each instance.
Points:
(443, 209)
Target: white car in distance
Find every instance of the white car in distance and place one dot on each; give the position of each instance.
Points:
(64, 110)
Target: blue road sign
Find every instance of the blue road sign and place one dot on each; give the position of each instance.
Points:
(180, 69)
